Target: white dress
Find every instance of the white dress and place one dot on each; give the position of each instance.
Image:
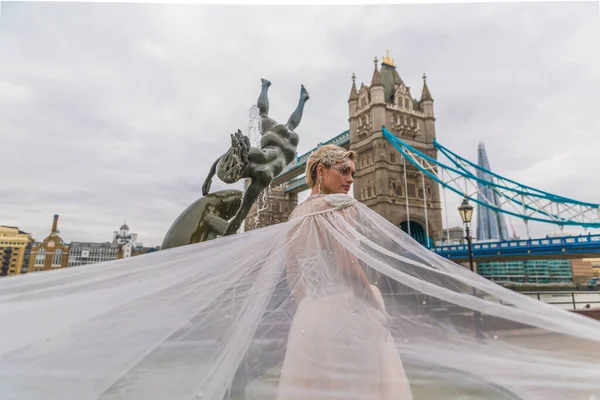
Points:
(338, 346)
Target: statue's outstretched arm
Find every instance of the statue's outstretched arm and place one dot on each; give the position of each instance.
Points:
(250, 196)
(208, 180)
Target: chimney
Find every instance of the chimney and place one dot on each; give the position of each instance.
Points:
(55, 224)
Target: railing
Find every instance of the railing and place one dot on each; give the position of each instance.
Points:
(295, 183)
(503, 248)
(549, 242)
(569, 298)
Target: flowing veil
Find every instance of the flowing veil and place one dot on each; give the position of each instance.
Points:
(336, 303)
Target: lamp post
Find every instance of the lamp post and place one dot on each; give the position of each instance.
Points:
(466, 214)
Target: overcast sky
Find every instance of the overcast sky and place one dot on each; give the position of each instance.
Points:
(112, 112)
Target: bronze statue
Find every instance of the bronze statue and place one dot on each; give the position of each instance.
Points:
(277, 149)
(209, 217)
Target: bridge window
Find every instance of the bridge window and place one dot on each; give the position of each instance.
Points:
(411, 190)
(392, 158)
(369, 191)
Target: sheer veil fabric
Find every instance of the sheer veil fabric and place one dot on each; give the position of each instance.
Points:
(336, 303)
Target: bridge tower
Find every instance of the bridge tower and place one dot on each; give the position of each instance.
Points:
(271, 207)
(380, 177)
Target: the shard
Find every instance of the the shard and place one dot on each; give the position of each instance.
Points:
(491, 224)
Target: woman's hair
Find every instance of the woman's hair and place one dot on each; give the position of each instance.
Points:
(328, 155)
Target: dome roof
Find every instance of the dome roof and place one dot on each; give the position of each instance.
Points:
(124, 227)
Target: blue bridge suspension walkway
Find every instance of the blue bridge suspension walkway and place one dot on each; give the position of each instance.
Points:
(518, 200)
(484, 187)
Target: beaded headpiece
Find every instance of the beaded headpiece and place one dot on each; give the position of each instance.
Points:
(331, 157)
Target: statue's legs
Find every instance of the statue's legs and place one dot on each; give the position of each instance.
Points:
(263, 99)
(296, 116)
(250, 196)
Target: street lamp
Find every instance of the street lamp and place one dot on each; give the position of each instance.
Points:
(466, 214)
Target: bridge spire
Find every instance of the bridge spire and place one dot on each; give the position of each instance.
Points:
(353, 91)
(376, 81)
(426, 94)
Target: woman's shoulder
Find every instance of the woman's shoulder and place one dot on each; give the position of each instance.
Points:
(339, 200)
(322, 202)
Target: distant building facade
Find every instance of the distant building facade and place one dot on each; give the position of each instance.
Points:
(453, 236)
(124, 245)
(14, 247)
(52, 253)
(84, 253)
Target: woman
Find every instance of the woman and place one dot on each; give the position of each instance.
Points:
(339, 346)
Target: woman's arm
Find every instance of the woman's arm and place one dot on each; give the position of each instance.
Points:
(350, 268)
(293, 274)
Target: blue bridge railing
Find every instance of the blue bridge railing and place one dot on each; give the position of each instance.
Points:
(295, 184)
(588, 244)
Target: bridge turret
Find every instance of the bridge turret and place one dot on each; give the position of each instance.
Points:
(377, 89)
(353, 99)
(426, 99)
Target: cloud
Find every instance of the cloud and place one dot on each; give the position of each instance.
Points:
(116, 111)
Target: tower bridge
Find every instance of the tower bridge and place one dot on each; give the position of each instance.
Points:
(398, 175)
(384, 181)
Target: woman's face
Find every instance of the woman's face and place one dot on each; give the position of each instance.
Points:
(338, 178)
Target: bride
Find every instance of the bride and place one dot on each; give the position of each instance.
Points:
(335, 304)
(339, 345)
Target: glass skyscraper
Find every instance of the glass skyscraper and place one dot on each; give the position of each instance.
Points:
(491, 225)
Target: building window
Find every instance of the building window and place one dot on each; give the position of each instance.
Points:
(40, 257)
(395, 189)
(57, 259)
(405, 103)
(411, 190)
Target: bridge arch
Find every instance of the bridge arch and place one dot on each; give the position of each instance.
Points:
(417, 231)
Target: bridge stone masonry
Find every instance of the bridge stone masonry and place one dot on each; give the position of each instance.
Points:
(384, 180)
